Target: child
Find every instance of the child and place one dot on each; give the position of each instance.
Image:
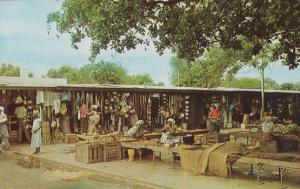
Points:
(36, 140)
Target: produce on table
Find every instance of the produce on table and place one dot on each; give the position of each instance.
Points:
(286, 129)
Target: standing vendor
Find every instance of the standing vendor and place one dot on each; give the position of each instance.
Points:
(3, 128)
(36, 140)
(21, 113)
(215, 117)
(137, 130)
(94, 119)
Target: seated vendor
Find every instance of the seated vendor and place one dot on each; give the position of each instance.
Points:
(170, 126)
(267, 126)
(137, 130)
(167, 131)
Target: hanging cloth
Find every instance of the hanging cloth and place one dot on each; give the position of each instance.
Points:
(40, 97)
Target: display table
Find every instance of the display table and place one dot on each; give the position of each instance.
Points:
(282, 161)
(142, 145)
(153, 135)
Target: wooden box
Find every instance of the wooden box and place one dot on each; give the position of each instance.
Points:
(89, 152)
(71, 138)
(215, 138)
(112, 152)
(268, 146)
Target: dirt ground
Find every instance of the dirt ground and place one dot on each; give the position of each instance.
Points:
(161, 175)
(13, 176)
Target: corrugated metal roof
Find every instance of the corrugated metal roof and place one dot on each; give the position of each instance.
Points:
(61, 84)
(168, 88)
(31, 82)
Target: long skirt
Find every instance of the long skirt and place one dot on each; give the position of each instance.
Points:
(4, 134)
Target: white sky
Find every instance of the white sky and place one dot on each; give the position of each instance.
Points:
(24, 41)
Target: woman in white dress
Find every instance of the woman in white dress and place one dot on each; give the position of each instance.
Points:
(3, 128)
(36, 140)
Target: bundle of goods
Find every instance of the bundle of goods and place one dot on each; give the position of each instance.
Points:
(46, 135)
(286, 129)
(198, 139)
(103, 139)
(107, 139)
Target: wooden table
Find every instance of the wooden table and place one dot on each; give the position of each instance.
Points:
(154, 135)
(141, 145)
(282, 161)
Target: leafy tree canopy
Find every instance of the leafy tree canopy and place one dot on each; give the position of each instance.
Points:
(9, 70)
(101, 73)
(187, 26)
(250, 83)
(207, 71)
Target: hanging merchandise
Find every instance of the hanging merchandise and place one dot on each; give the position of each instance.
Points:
(40, 97)
(47, 99)
(187, 102)
(56, 105)
(63, 109)
(65, 97)
(149, 108)
(83, 111)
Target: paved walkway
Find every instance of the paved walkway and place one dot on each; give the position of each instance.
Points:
(161, 175)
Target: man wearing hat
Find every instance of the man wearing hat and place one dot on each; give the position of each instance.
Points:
(3, 128)
(21, 113)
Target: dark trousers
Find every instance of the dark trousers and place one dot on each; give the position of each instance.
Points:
(21, 129)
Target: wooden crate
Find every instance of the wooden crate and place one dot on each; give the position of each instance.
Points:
(112, 152)
(215, 138)
(71, 138)
(268, 146)
(89, 152)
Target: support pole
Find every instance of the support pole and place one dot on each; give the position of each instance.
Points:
(262, 72)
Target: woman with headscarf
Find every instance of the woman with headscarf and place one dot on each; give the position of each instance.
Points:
(169, 128)
(137, 130)
(36, 140)
(3, 128)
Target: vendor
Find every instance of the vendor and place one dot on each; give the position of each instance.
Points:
(94, 119)
(3, 128)
(169, 128)
(137, 130)
(214, 117)
(21, 113)
(267, 128)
